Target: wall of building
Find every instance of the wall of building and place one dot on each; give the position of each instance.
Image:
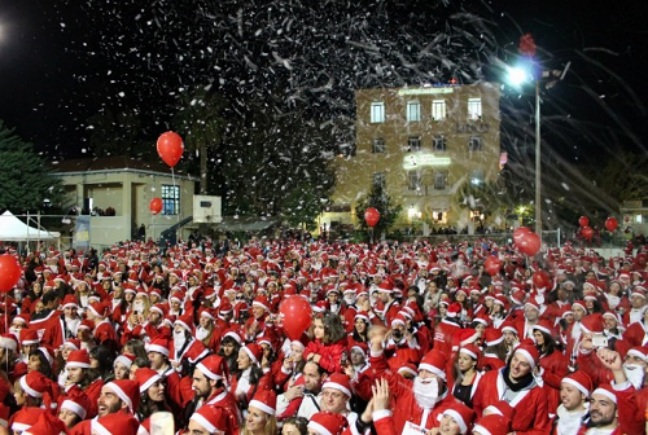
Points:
(460, 163)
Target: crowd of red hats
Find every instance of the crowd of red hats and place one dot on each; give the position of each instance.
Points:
(405, 338)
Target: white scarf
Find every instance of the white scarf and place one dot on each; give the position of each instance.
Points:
(569, 422)
(243, 384)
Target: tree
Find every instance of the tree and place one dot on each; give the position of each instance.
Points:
(302, 205)
(201, 124)
(379, 199)
(25, 178)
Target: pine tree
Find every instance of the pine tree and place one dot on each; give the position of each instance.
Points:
(25, 178)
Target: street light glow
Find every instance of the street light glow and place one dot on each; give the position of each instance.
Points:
(518, 76)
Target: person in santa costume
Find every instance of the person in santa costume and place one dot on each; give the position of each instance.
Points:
(261, 419)
(575, 391)
(516, 384)
(421, 400)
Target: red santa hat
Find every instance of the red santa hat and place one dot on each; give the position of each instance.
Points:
(529, 352)
(26, 418)
(72, 343)
(340, 382)
(265, 400)
(98, 309)
(262, 301)
(212, 367)
(472, 351)
(126, 360)
(592, 324)
(327, 423)
(544, 326)
(399, 319)
(29, 337)
(461, 414)
(211, 419)
(79, 404)
(47, 424)
(116, 423)
(454, 309)
(234, 335)
(580, 304)
(69, 301)
(385, 287)
(127, 391)
(161, 309)
(160, 345)
(196, 351)
(434, 362)
(640, 352)
(78, 358)
(254, 351)
(607, 391)
(581, 381)
(407, 369)
(492, 424)
(185, 321)
(493, 337)
(146, 377)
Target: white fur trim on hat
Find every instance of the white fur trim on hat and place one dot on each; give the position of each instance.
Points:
(98, 428)
(469, 352)
(262, 406)
(121, 394)
(205, 371)
(481, 430)
(250, 354)
(609, 394)
(157, 348)
(29, 390)
(146, 385)
(77, 364)
(336, 386)
(318, 428)
(206, 424)
(457, 418)
(71, 405)
(124, 360)
(430, 368)
(525, 353)
(638, 354)
(577, 385)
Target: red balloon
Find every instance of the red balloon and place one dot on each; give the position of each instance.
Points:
(493, 265)
(611, 224)
(529, 243)
(518, 233)
(583, 221)
(587, 232)
(541, 279)
(372, 216)
(170, 148)
(10, 273)
(296, 316)
(155, 205)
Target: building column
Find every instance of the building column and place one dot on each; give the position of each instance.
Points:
(127, 193)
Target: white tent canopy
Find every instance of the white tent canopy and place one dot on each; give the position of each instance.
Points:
(13, 229)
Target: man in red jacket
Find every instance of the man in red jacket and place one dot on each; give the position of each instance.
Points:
(516, 385)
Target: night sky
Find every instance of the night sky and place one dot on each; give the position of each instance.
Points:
(63, 61)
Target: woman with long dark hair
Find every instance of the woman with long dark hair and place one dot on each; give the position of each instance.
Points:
(466, 373)
(152, 398)
(250, 378)
(82, 377)
(330, 343)
(553, 364)
(229, 350)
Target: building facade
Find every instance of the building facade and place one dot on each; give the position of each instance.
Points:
(116, 192)
(422, 144)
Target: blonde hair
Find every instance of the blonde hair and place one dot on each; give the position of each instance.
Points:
(269, 429)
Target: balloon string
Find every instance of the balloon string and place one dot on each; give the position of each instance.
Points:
(174, 193)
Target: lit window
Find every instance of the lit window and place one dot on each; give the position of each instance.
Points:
(477, 177)
(413, 180)
(414, 143)
(413, 111)
(438, 110)
(379, 179)
(475, 144)
(440, 180)
(378, 146)
(638, 219)
(170, 199)
(377, 112)
(439, 143)
(474, 108)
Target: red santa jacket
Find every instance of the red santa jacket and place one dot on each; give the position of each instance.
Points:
(331, 354)
(555, 368)
(50, 329)
(534, 416)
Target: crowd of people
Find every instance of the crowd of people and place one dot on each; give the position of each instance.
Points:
(410, 338)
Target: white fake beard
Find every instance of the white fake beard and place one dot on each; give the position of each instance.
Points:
(350, 300)
(426, 392)
(635, 374)
(179, 340)
(16, 332)
(201, 333)
(138, 306)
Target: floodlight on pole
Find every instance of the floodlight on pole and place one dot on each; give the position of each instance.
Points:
(517, 76)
